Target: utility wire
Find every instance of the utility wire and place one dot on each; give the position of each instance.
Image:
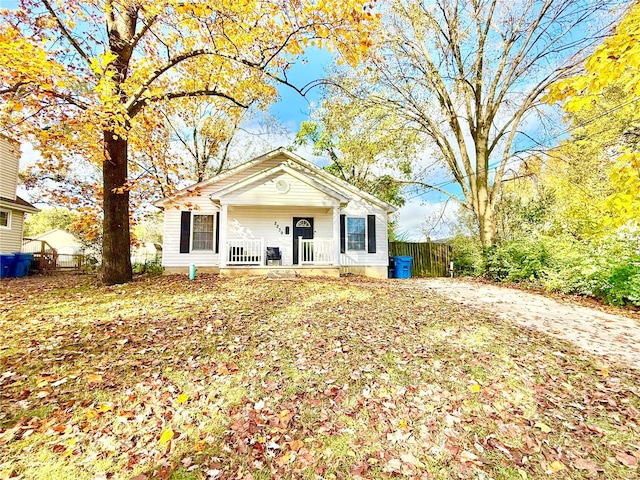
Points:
(567, 130)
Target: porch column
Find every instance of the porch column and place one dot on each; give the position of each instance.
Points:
(223, 234)
(336, 236)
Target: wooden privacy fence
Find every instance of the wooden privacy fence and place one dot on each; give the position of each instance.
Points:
(429, 259)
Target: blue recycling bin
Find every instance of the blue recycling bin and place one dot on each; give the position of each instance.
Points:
(6, 263)
(21, 265)
(402, 267)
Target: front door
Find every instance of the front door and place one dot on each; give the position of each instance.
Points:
(302, 227)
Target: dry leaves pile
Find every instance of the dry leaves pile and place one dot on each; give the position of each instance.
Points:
(350, 378)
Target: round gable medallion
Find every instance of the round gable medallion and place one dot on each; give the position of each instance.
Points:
(282, 186)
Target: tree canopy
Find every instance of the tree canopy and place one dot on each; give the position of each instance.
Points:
(468, 75)
(366, 145)
(77, 76)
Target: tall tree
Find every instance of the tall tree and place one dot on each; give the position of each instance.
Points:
(76, 74)
(469, 73)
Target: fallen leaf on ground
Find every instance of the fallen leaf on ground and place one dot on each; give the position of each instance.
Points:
(166, 436)
(94, 378)
(555, 467)
(586, 464)
(627, 460)
(543, 426)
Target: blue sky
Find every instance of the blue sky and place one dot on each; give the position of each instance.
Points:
(291, 109)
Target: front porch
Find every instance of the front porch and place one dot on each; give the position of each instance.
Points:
(277, 236)
(256, 253)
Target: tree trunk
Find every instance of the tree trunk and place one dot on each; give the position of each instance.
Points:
(484, 206)
(487, 226)
(116, 244)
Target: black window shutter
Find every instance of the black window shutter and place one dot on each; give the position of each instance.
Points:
(343, 243)
(371, 233)
(217, 227)
(185, 232)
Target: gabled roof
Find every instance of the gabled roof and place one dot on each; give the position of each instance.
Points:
(17, 204)
(330, 181)
(282, 168)
(226, 174)
(55, 230)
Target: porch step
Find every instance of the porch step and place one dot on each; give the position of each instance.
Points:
(284, 274)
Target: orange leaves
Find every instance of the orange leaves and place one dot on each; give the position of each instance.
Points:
(66, 87)
(94, 378)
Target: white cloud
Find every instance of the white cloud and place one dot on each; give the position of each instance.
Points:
(419, 219)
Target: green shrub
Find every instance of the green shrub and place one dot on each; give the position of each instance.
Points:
(518, 260)
(608, 269)
(152, 267)
(624, 283)
(466, 255)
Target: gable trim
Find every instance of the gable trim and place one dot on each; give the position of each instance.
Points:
(257, 177)
(221, 176)
(18, 205)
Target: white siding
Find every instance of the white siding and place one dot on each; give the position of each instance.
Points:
(360, 208)
(270, 223)
(11, 238)
(171, 256)
(265, 192)
(9, 158)
(267, 164)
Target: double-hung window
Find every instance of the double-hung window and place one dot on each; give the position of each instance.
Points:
(356, 233)
(5, 219)
(202, 232)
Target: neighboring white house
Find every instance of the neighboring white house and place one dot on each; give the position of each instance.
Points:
(281, 203)
(64, 242)
(12, 207)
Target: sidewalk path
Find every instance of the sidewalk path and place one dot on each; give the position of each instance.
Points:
(598, 332)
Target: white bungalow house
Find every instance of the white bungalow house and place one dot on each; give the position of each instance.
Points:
(277, 212)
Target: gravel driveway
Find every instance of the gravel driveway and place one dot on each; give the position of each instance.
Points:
(612, 336)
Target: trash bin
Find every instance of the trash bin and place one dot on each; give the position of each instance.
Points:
(392, 266)
(21, 264)
(402, 268)
(6, 262)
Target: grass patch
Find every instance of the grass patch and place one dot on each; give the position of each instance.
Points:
(316, 378)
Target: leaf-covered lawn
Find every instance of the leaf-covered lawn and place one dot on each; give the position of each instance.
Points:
(251, 378)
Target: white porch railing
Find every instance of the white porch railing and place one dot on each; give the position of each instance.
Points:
(315, 251)
(245, 252)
